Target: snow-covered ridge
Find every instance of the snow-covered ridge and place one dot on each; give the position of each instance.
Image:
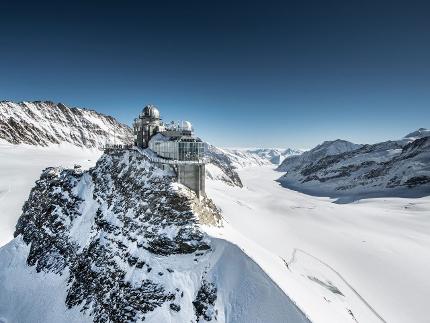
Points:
(274, 155)
(340, 167)
(43, 123)
(224, 164)
(327, 148)
(226, 161)
(420, 133)
(124, 242)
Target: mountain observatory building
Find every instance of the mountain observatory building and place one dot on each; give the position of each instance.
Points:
(173, 146)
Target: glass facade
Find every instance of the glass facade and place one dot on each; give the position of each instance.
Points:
(184, 149)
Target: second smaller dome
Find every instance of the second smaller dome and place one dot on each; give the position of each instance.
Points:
(186, 125)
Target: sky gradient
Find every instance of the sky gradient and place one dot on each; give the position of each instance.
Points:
(246, 74)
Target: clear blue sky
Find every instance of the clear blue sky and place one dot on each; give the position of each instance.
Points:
(280, 74)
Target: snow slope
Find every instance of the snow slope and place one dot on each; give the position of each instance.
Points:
(21, 165)
(43, 123)
(387, 168)
(36, 135)
(123, 242)
(224, 163)
(245, 292)
(366, 261)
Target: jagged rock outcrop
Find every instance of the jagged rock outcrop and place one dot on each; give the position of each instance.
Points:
(123, 242)
(43, 123)
(391, 167)
(132, 210)
(222, 166)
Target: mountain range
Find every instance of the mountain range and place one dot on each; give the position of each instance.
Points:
(43, 123)
(339, 168)
(110, 237)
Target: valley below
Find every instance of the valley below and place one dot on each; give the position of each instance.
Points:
(365, 261)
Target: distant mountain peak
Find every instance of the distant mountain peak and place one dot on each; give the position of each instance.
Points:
(420, 133)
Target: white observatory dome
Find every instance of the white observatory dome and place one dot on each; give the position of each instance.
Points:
(151, 111)
(186, 125)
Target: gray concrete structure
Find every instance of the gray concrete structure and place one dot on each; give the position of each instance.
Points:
(193, 177)
(175, 147)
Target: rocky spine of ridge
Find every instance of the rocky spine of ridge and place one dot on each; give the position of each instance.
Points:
(43, 123)
(104, 228)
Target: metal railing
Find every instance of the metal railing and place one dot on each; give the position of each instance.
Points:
(157, 159)
(116, 147)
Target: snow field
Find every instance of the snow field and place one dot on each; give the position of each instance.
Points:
(376, 252)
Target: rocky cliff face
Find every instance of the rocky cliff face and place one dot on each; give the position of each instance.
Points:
(224, 163)
(222, 166)
(102, 224)
(387, 167)
(43, 123)
(123, 242)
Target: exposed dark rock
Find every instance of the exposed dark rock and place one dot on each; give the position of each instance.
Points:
(175, 307)
(221, 160)
(132, 204)
(205, 301)
(417, 180)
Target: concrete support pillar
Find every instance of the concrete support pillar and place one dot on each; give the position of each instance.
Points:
(193, 177)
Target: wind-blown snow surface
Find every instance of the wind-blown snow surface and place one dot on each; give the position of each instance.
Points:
(366, 261)
(21, 165)
(122, 242)
(43, 123)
